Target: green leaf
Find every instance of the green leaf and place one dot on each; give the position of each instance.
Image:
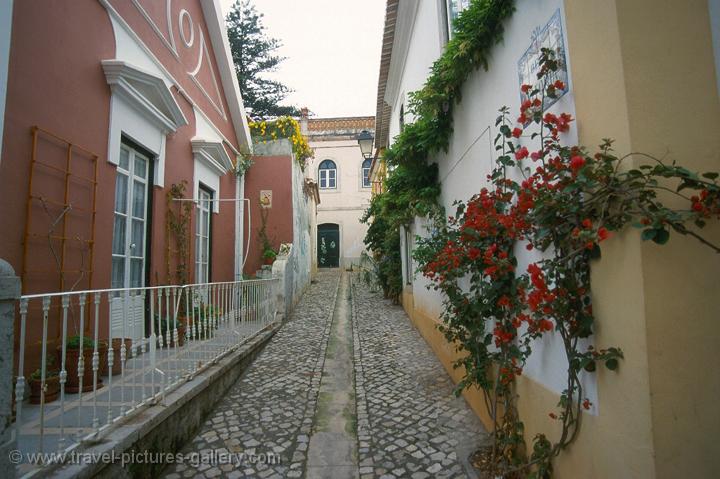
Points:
(648, 234)
(612, 364)
(710, 175)
(661, 236)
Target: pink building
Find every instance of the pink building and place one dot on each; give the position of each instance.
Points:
(114, 109)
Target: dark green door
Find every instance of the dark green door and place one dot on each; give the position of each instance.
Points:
(328, 245)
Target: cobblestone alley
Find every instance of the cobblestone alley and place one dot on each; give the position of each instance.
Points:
(347, 388)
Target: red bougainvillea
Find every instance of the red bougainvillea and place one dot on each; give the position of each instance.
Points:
(562, 202)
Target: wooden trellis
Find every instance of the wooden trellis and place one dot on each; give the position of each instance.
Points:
(62, 206)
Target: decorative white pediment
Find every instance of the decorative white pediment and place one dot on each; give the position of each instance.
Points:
(212, 154)
(145, 92)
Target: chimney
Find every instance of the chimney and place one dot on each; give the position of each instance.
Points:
(304, 113)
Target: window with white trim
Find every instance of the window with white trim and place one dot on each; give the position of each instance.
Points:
(203, 234)
(454, 7)
(366, 173)
(327, 175)
(130, 225)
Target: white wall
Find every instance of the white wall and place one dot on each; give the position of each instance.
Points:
(463, 169)
(425, 42)
(303, 209)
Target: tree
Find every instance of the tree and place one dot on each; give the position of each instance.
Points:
(253, 53)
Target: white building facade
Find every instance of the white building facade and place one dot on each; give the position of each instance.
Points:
(342, 176)
(608, 92)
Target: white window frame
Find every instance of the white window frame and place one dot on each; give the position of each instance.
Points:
(453, 8)
(128, 246)
(326, 180)
(365, 173)
(142, 108)
(203, 234)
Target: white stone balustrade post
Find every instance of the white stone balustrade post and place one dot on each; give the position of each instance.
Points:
(9, 294)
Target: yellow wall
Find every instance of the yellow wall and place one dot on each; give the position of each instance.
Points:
(643, 74)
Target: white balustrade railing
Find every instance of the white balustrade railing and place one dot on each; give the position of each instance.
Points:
(105, 354)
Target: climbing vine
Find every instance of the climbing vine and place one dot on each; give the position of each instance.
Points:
(177, 229)
(560, 202)
(284, 127)
(411, 188)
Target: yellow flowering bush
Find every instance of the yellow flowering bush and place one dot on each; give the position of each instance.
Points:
(283, 127)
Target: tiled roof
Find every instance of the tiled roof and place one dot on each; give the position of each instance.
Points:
(382, 112)
(341, 124)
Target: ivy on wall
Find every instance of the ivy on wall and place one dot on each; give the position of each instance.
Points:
(411, 188)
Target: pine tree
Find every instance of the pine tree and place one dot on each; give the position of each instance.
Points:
(253, 53)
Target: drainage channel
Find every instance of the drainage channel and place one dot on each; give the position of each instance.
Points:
(332, 452)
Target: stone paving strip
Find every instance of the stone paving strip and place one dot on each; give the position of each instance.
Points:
(409, 422)
(333, 445)
(266, 418)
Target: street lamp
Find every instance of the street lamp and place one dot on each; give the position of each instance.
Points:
(365, 140)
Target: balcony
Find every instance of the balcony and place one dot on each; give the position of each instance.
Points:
(138, 346)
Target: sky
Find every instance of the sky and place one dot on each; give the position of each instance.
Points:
(332, 49)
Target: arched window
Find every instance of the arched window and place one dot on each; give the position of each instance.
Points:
(327, 175)
(366, 173)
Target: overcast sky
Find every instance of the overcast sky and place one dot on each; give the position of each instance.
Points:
(332, 49)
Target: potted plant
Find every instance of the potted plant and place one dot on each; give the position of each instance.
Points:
(269, 256)
(116, 367)
(161, 329)
(72, 355)
(52, 383)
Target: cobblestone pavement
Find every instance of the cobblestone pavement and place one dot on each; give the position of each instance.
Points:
(270, 409)
(409, 422)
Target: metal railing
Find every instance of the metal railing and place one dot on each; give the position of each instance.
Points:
(115, 351)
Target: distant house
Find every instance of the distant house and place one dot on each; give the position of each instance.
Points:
(342, 175)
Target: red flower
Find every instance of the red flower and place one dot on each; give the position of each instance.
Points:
(559, 85)
(586, 403)
(504, 301)
(474, 253)
(525, 88)
(603, 234)
(577, 162)
(552, 415)
(587, 223)
(517, 132)
(544, 325)
(521, 153)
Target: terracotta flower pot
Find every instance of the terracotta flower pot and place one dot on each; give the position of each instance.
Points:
(52, 384)
(116, 367)
(71, 361)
